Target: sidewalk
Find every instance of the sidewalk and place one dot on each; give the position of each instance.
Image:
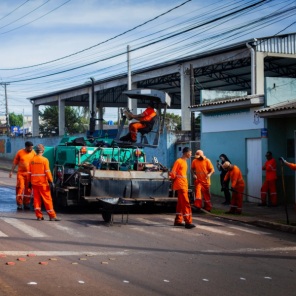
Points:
(269, 217)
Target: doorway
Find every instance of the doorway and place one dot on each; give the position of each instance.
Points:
(254, 169)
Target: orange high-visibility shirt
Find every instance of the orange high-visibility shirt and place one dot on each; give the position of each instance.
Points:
(22, 160)
(149, 114)
(39, 172)
(292, 166)
(179, 174)
(235, 177)
(270, 167)
(202, 168)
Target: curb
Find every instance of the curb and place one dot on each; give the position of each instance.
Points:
(259, 223)
(275, 226)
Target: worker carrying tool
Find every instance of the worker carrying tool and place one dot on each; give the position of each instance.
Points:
(237, 187)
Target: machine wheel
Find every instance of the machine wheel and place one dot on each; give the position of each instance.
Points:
(107, 216)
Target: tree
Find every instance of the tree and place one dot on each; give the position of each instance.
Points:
(15, 120)
(50, 123)
(175, 121)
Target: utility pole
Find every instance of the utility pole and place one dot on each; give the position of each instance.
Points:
(6, 108)
(192, 102)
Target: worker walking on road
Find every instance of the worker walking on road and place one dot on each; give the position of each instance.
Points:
(202, 170)
(237, 187)
(269, 184)
(22, 160)
(178, 175)
(40, 178)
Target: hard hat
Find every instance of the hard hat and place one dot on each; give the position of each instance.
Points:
(226, 165)
(199, 154)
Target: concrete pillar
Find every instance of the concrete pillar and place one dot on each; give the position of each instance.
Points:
(61, 117)
(185, 97)
(260, 72)
(101, 116)
(133, 104)
(35, 120)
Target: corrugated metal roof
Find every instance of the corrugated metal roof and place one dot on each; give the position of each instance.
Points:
(289, 105)
(225, 101)
(279, 44)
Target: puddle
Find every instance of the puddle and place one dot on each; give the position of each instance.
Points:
(7, 199)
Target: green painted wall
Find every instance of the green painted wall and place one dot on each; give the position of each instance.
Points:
(233, 144)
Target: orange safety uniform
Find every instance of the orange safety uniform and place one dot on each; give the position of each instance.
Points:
(238, 186)
(180, 183)
(23, 192)
(270, 182)
(40, 176)
(292, 166)
(149, 113)
(202, 183)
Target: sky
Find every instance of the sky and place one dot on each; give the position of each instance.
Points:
(49, 45)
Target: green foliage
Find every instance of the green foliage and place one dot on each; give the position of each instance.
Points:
(15, 120)
(50, 120)
(175, 120)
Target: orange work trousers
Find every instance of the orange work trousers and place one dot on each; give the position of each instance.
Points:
(42, 194)
(23, 192)
(236, 203)
(183, 209)
(133, 129)
(269, 186)
(202, 190)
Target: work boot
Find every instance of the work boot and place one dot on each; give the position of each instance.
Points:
(178, 224)
(54, 219)
(126, 138)
(40, 218)
(262, 205)
(27, 207)
(19, 208)
(189, 226)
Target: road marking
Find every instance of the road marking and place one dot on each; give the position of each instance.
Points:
(210, 228)
(145, 231)
(214, 230)
(20, 225)
(2, 234)
(244, 229)
(145, 221)
(252, 250)
(68, 230)
(248, 230)
(65, 253)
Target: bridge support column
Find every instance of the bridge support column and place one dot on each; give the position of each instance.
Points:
(61, 117)
(185, 97)
(35, 120)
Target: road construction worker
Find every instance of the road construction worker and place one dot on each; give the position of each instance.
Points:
(40, 179)
(237, 187)
(225, 189)
(269, 184)
(291, 165)
(144, 119)
(178, 175)
(22, 160)
(202, 170)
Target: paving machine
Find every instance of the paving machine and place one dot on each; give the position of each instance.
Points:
(114, 174)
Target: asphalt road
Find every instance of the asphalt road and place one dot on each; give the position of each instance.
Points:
(82, 255)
